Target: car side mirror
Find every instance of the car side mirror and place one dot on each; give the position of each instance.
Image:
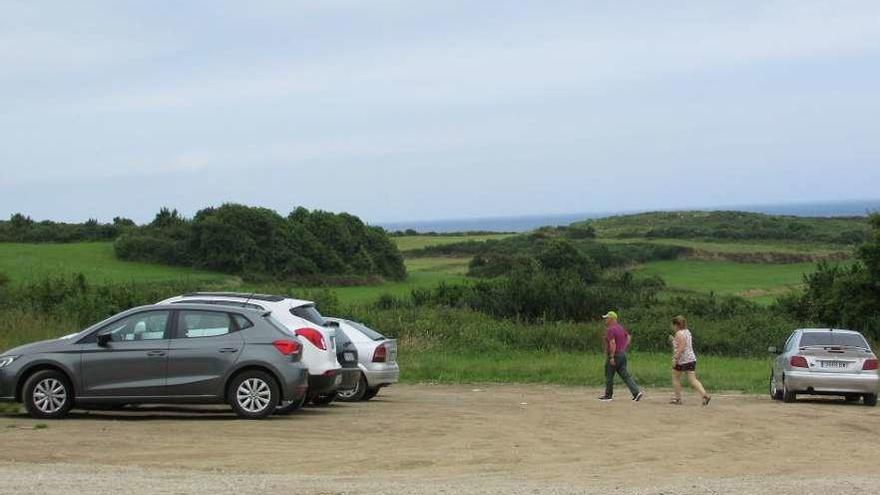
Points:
(773, 350)
(104, 339)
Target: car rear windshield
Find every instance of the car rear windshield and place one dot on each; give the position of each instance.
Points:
(309, 313)
(369, 332)
(832, 339)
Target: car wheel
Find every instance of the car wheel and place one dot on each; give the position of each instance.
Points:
(354, 394)
(371, 393)
(787, 395)
(48, 395)
(292, 406)
(324, 399)
(870, 400)
(775, 393)
(253, 395)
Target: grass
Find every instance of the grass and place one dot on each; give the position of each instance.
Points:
(757, 281)
(413, 242)
(651, 370)
(741, 246)
(24, 262)
(422, 272)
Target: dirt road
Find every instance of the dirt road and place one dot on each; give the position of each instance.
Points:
(457, 439)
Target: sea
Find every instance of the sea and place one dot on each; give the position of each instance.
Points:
(525, 223)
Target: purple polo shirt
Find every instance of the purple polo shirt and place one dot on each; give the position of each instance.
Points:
(620, 337)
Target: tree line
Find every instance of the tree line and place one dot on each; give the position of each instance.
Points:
(260, 244)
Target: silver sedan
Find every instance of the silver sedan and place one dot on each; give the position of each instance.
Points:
(377, 359)
(824, 361)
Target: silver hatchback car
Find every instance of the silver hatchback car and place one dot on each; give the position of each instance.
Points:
(824, 361)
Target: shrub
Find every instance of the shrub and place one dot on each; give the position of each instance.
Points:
(260, 244)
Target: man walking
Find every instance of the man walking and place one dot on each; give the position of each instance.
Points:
(617, 340)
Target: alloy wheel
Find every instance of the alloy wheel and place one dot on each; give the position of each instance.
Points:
(253, 395)
(50, 395)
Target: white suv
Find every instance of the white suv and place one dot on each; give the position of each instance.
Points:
(303, 320)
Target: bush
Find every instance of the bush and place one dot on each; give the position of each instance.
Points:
(260, 244)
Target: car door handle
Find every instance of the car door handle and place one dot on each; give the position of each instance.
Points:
(156, 353)
(228, 349)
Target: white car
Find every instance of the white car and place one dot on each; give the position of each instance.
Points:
(377, 359)
(303, 320)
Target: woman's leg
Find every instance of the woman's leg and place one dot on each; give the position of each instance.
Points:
(692, 379)
(676, 383)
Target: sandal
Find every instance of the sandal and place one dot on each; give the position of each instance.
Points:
(676, 401)
(706, 399)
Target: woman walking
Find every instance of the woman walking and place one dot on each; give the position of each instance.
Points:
(684, 361)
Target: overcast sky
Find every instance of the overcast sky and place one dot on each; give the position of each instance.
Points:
(407, 109)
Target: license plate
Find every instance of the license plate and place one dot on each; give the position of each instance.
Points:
(834, 364)
(338, 379)
(348, 356)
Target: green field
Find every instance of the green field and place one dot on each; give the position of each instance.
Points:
(421, 272)
(742, 246)
(757, 281)
(413, 242)
(24, 262)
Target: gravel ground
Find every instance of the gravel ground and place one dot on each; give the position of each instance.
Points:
(433, 439)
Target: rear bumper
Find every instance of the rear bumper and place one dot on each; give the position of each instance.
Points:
(296, 382)
(350, 378)
(381, 374)
(325, 383)
(829, 383)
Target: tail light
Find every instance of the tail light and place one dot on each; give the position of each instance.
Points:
(312, 336)
(799, 362)
(870, 364)
(380, 355)
(287, 347)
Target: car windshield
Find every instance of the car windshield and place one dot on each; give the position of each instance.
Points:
(369, 332)
(309, 313)
(829, 339)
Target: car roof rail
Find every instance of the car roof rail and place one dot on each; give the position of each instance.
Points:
(238, 295)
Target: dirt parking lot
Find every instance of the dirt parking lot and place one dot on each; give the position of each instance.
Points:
(427, 439)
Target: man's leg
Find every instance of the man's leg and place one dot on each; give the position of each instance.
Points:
(609, 379)
(624, 373)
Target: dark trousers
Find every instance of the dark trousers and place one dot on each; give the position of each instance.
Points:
(619, 367)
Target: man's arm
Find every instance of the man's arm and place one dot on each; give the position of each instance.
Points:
(612, 349)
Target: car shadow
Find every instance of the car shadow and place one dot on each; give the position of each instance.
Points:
(174, 413)
(828, 401)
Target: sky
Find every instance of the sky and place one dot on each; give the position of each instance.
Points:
(403, 110)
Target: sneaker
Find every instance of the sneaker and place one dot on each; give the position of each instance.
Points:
(638, 396)
(605, 398)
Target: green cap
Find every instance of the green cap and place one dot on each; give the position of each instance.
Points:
(610, 314)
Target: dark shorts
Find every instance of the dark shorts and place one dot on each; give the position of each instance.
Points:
(692, 366)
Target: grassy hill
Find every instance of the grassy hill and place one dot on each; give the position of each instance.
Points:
(732, 226)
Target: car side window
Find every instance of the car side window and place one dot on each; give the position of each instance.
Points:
(789, 345)
(194, 324)
(149, 325)
(241, 321)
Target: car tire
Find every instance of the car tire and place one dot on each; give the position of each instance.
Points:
(324, 399)
(355, 394)
(48, 394)
(787, 396)
(293, 406)
(372, 393)
(253, 394)
(870, 400)
(775, 393)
